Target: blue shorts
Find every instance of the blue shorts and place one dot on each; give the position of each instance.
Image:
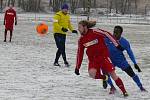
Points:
(121, 64)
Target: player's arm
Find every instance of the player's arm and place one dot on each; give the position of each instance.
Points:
(130, 53)
(132, 57)
(79, 59)
(15, 18)
(56, 20)
(71, 27)
(5, 17)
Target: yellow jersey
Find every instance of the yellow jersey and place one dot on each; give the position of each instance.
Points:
(61, 20)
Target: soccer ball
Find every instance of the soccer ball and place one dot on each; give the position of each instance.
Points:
(42, 29)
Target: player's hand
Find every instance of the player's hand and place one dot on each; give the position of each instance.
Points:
(137, 68)
(75, 31)
(64, 29)
(77, 71)
(15, 22)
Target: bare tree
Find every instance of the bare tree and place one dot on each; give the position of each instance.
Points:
(8, 3)
(56, 4)
(84, 4)
(13, 2)
(50, 3)
(135, 6)
(123, 6)
(38, 5)
(73, 5)
(94, 4)
(19, 3)
(110, 5)
(23, 4)
(1, 4)
(88, 9)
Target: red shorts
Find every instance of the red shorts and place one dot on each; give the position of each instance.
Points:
(9, 26)
(101, 63)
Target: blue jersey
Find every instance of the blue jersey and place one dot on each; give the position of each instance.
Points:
(117, 56)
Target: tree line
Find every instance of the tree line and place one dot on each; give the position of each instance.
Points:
(120, 6)
(26, 5)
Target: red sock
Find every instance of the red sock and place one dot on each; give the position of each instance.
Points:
(120, 84)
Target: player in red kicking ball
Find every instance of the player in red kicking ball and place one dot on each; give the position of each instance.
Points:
(94, 42)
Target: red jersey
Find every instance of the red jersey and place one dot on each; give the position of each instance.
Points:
(10, 14)
(94, 42)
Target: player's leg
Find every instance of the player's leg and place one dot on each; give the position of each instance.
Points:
(135, 77)
(111, 70)
(109, 81)
(63, 50)
(58, 53)
(60, 40)
(112, 87)
(118, 82)
(95, 71)
(5, 35)
(105, 81)
(11, 32)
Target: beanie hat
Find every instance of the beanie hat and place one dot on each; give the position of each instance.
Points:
(65, 6)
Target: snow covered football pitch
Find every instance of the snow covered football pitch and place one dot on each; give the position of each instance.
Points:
(27, 71)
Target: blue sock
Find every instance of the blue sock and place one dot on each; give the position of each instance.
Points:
(109, 81)
(137, 81)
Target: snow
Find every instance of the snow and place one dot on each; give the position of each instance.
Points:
(27, 71)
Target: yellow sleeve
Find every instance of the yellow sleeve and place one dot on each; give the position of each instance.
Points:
(70, 25)
(56, 19)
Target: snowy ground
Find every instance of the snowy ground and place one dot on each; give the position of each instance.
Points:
(27, 71)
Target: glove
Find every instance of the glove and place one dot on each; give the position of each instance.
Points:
(119, 47)
(64, 29)
(137, 68)
(4, 23)
(15, 22)
(74, 31)
(77, 71)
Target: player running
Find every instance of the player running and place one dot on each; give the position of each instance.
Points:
(118, 59)
(94, 42)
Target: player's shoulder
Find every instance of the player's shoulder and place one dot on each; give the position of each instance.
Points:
(10, 10)
(14, 10)
(58, 13)
(96, 30)
(123, 40)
